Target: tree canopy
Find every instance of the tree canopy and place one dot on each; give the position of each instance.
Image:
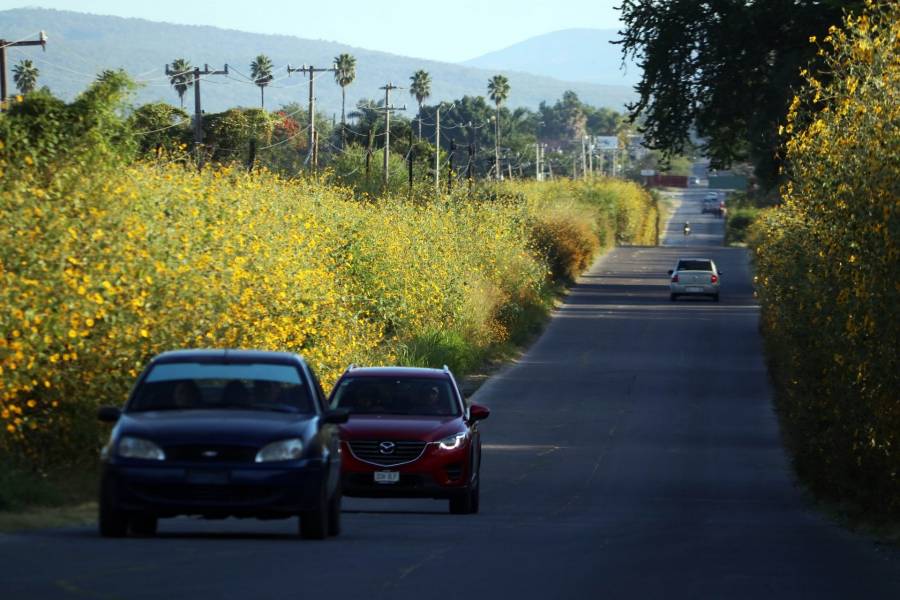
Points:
(725, 70)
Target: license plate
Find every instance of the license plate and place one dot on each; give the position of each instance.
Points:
(207, 477)
(694, 289)
(387, 476)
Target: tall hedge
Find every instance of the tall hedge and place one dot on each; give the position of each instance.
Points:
(828, 267)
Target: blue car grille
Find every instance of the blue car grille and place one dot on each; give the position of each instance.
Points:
(211, 453)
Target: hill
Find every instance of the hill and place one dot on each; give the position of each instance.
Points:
(583, 55)
(80, 45)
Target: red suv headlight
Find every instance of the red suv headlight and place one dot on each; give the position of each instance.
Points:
(453, 442)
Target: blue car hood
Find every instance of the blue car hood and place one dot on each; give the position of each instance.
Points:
(241, 427)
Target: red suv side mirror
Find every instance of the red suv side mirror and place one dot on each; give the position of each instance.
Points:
(478, 412)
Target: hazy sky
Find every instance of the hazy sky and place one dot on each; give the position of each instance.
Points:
(453, 31)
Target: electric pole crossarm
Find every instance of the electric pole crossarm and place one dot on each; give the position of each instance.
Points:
(41, 41)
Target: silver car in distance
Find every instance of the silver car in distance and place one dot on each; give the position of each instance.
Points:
(694, 277)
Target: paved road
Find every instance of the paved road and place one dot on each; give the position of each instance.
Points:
(632, 453)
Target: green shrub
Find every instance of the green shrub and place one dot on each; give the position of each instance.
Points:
(737, 223)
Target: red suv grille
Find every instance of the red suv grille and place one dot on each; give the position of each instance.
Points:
(386, 453)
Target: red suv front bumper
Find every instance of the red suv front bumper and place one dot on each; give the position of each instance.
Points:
(435, 473)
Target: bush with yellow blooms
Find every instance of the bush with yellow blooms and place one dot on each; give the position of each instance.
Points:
(828, 267)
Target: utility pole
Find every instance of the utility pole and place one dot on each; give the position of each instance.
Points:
(315, 156)
(537, 161)
(371, 141)
(450, 167)
(388, 109)
(471, 166)
(409, 161)
(583, 158)
(42, 42)
(437, 152)
(198, 112)
(311, 71)
(591, 156)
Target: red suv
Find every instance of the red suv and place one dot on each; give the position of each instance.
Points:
(410, 435)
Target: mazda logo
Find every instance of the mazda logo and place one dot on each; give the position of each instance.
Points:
(386, 447)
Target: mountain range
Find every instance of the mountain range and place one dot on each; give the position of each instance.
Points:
(81, 45)
(582, 55)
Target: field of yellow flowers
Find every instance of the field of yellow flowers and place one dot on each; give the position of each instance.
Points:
(105, 267)
(828, 267)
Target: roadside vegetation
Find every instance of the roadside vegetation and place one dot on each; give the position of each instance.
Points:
(111, 252)
(744, 208)
(828, 267)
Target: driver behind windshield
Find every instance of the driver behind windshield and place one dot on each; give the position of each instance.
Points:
(183, 386)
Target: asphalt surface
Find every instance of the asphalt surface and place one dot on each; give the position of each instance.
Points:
(633, 452)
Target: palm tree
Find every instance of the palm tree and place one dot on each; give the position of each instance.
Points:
(182, 79)
(344, 74)
(25, 75)
(498, 91)
(261, 72)
(421, 89)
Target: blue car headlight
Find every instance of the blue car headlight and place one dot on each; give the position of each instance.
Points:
(282, 450)
(132, 447)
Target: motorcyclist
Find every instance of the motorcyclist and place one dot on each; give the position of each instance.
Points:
(687, 228)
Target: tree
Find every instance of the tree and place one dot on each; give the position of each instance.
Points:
(344, 74)
(182, 79)
(231, 133)
(261, 72)
(724, 69)
(421, 89)
(25, 75)
(498, 92)
(160, 128)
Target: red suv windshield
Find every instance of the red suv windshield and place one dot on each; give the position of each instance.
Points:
(420, 396)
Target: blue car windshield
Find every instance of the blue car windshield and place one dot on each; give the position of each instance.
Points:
(249, 386)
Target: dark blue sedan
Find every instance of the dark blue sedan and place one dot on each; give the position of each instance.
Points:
(222, 433)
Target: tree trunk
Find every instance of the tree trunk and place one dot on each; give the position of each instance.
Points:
(262, 96)
(497, 144)
(420, 121)
(343, 118)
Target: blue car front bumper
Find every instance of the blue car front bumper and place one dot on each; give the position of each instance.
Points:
(259, 491)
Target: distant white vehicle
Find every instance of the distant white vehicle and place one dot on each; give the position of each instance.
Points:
(694, 277)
